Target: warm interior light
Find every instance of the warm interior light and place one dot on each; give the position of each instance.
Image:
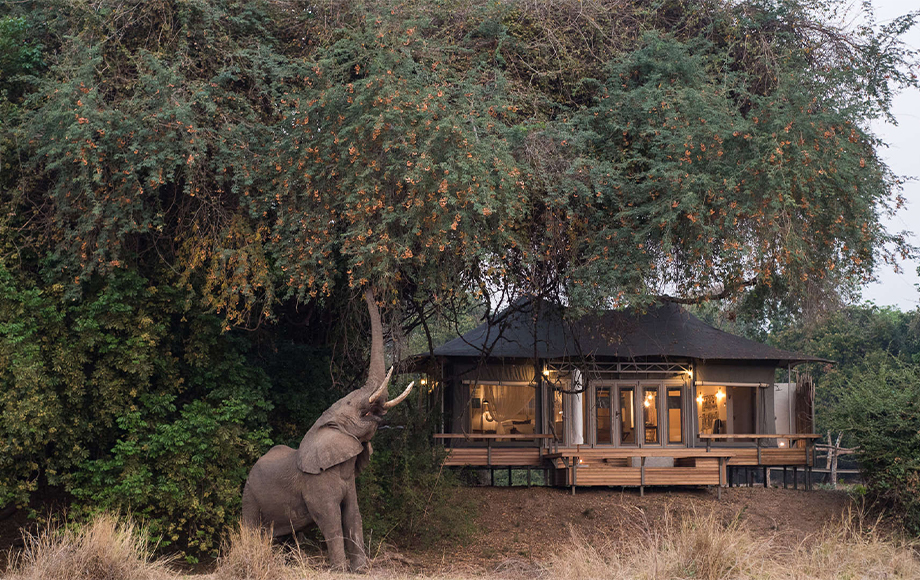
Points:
(699, 399)
(545, 372)
(424, 381)
(690, 373)
(782, 443)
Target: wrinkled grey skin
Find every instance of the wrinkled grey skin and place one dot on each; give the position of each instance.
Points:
(289, 489)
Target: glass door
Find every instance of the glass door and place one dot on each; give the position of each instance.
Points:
(675, 415)
(626, 415)
(651, 419)
(604, 432)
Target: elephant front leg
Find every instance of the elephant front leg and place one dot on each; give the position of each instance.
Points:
(329, 520)
(354, 532)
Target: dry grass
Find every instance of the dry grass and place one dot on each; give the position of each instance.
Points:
(854, 548)
(251, 555)
(688, 544)
(108, 548)
(700, 546)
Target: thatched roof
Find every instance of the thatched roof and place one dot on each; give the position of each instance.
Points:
(541, 330)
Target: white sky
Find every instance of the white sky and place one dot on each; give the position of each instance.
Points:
(903, 156)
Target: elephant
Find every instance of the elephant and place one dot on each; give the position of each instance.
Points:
(289, 489)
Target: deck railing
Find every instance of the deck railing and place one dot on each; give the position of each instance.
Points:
(808, 438)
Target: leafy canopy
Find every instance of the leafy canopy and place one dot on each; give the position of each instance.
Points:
(269, 151)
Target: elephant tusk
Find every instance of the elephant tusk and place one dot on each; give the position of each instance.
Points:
(398, 400)
(382, 389)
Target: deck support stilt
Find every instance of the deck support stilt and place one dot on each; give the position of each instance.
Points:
(642, 476)
(784, 477)
(766, 478)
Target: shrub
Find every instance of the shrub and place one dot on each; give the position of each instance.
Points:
(405, 493)
(128, 400)
(881, 410)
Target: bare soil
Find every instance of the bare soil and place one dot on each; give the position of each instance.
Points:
(519, 525)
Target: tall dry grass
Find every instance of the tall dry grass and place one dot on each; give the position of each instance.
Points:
(701, 546)
(690, 544)
(108, 548)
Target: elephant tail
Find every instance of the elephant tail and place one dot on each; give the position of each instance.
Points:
(251, 516)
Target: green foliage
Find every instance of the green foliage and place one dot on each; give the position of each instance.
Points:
(405, 492)
(112, 399)
(854, 338)
(268, 151)
(881, 409)
(20, 57)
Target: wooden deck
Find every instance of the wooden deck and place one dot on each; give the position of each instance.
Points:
(633, 467)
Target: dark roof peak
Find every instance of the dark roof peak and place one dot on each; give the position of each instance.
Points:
(541, 329)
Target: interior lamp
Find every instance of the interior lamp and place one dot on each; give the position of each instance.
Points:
(699, 399)
(720, 395)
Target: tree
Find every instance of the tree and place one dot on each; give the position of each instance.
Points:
(698, 150)
(257, 163)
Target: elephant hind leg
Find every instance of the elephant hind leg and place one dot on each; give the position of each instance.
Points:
(251, 513)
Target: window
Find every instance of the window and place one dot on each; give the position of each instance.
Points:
(627, 416)
(502, 409)
(603, 416)
(675, 415)
(650, 414)
(712, 410)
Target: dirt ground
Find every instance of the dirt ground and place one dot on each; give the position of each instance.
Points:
(516, 526)
(520, 524)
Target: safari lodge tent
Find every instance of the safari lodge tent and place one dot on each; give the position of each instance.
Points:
(618, 399)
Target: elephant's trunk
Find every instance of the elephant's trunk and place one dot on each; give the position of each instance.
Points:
(376, 374)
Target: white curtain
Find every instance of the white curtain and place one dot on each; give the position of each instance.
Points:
(505, 403)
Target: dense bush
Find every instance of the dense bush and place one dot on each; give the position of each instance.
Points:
(881, 410)
(405, 493)
(121, 399)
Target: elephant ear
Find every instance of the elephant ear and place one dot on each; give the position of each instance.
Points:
(324, 448)
(364, 458)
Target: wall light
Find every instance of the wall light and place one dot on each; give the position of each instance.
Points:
(699, 399)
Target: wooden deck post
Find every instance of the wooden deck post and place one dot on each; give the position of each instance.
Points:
(642, 476)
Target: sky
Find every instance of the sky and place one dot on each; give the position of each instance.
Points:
(903, 157)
